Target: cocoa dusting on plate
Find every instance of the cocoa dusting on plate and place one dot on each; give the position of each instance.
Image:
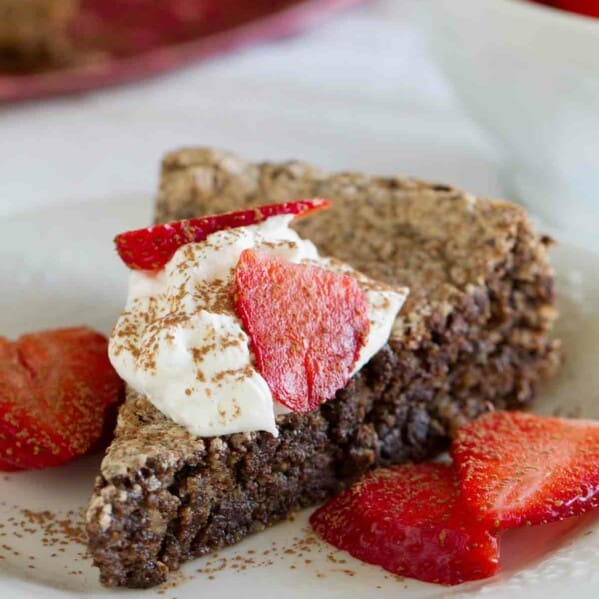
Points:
(57, 530)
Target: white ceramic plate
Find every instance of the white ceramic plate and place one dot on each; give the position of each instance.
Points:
(58, 268)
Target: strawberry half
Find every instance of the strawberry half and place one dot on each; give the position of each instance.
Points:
(153, 247)
(306, 326)
(17, 454)
(57, 388)
(6, 467)
(583, 7)
(412, 521)
(518, 468)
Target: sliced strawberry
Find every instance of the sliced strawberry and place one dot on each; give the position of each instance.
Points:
(412, 521)
(14, 386)
(152, 248)
(14, 376)
(56, 390)
(583, 7)
(306, 326)
(11, 454)
(6, 467)
(18, 451)
(519, 468)
(6, 448)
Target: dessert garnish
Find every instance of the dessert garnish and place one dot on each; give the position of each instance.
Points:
(248, 323)
(583, 7)
(518, 468)
(151, 248)
(410, 520)
(57, 389)
(5, 466)
(442, 522)
(306, 325)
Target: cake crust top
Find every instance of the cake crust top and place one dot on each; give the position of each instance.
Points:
(440, 242)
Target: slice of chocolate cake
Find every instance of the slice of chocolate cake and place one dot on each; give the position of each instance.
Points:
(473, 335)
(33, 34)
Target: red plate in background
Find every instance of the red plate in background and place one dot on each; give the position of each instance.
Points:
(137, 39)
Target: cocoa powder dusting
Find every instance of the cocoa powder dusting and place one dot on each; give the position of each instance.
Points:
(57, 531)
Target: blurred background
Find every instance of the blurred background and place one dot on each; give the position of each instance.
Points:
(500, 97)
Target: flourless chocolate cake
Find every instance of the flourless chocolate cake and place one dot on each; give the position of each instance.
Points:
(33, 34)
(473, 336)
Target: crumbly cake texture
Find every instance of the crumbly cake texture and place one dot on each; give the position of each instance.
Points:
(473, 335)
(33, 33)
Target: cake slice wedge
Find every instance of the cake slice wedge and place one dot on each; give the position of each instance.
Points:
(33, 34)
(474, 334)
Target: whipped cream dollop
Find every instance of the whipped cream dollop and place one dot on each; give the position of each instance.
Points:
(180, 343)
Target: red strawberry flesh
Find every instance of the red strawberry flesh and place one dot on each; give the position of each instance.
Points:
(56, 390)
(410, 520)
(306, 325)
(7, 448)
(583, 7)
(519, 468)
(14, 385)
(7, 467)
(153, 247)
(18, 454)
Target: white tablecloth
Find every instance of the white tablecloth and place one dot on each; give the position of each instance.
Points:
(359, 92)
